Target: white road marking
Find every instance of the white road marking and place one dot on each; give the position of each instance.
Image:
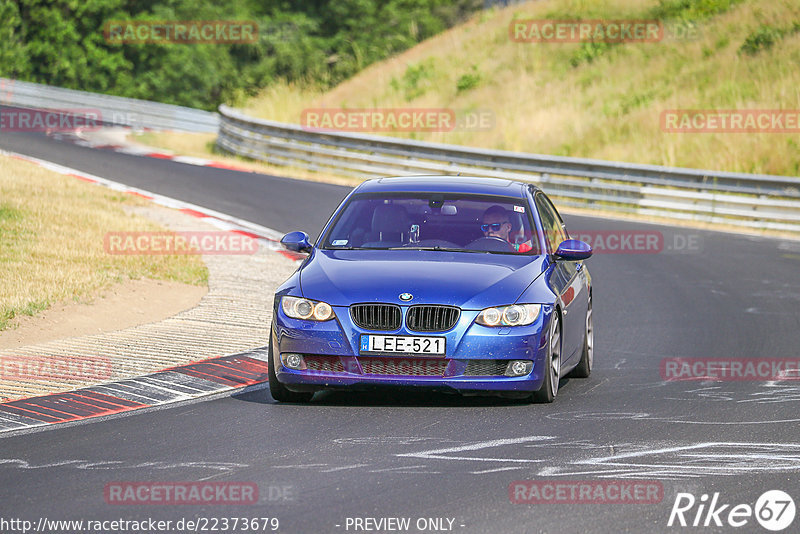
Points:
(438, 454)
(689, 461)
(610, 416)
(191, 160)
(598, 416)
(602, 382)
(662, 474)
(496, 470)
(334, 469)
(298, 466)
(118, 464)
(405, 469)
(686, 422)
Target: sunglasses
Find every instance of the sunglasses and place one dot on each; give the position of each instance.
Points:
(494, 227)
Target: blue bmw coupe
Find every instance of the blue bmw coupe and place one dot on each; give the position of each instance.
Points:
(458, 284)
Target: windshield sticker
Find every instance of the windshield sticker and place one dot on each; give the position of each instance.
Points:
(519, 209)
(339, 242)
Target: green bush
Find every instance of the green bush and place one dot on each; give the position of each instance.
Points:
(61, 43)
(416, 80)
(761, 39)
(765, 37)
(588, 52)
(691, 9)
(469, 80)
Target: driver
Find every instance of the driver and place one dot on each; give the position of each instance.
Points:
(497, 223)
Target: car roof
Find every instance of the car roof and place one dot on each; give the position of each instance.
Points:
(445, 184)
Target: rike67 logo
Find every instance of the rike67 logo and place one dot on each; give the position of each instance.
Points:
(774, 510)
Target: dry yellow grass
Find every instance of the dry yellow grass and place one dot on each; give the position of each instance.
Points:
(51, 241)
(608, 108)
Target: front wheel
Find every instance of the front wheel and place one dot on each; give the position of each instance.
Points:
(584, 368)
(278, 390)
(549, 389)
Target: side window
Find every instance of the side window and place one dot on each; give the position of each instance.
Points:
(551, 222)
(555, 211)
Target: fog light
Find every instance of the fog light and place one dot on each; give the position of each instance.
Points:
(519, 367)
(293, 361)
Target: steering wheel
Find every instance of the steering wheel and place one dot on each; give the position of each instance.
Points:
(491, 243)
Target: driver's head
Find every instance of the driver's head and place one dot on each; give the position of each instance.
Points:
(496, 223)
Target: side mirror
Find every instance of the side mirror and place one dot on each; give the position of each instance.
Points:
(296, 242)
(573, 250)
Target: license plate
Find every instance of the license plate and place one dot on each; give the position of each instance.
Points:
(403, 344)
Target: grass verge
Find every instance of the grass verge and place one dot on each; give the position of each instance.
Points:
(51, 241)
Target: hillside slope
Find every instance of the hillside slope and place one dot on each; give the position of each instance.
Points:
(594, 100)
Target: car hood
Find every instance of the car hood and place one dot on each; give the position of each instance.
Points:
(471, 281)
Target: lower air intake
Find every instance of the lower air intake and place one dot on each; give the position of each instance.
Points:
(403, 366)
(486, 367)
(325, 364)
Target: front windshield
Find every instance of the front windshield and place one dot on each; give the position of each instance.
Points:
(466, 223)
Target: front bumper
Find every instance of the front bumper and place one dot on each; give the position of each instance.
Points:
(469, 346)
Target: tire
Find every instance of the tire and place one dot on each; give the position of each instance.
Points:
(547, 393)
(584, 367)
(278, 390)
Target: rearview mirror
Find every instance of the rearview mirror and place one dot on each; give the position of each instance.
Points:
(449, 209)
(297, 242)
(573, 250)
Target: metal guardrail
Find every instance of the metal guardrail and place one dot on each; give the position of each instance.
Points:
(746, 200)
(112, 109)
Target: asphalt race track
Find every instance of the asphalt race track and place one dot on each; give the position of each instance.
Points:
(438, 456)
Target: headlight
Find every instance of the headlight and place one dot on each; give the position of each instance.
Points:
(311, 310)
(514, 315)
